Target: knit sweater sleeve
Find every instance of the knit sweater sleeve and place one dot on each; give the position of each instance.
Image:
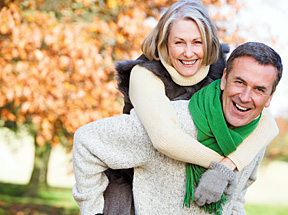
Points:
(238, 206)
(264, 133)
(117, 142)
(158, 116)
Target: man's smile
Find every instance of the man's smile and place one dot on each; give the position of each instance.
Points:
(240, 108)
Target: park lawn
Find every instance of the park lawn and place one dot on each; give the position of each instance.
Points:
(59, 201)
(50, 201)
(254, 209)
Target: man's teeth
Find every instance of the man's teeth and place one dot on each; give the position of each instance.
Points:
(241, 108)
(189, 62)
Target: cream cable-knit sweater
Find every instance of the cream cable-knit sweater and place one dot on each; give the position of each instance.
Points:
(159, 181)
(147, 94)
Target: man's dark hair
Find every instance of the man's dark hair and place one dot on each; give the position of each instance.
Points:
(260, 52)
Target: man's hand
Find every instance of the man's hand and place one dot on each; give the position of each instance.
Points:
(213, 183)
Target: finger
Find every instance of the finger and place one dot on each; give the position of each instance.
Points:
(201, 201)
(197, 195)
(212, 199)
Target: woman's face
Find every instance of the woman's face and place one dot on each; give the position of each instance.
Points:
(185, 47)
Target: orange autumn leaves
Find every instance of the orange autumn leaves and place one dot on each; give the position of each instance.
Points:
(58, 74)
(54, 75)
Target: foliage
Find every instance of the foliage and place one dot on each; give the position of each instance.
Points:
(54, 76)
(278, 148)
(57, 60)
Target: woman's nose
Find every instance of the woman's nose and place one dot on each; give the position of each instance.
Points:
(188, 52)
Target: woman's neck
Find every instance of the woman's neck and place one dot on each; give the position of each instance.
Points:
(183, 80)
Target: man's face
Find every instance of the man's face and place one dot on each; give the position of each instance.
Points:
(246, 91)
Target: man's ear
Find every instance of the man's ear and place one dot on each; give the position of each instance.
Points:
(223, 80)
(267, 104)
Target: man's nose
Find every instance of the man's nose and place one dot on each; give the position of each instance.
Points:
(245, 95)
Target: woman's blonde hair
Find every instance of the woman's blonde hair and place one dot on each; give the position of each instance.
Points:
(156, 42)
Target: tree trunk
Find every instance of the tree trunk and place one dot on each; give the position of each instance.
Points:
(39, 173)
(1, 4)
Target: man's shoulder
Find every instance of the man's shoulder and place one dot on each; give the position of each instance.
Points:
(181, 107)
(183, 113)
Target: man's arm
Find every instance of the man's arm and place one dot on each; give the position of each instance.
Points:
(238, 206)
(117, 143)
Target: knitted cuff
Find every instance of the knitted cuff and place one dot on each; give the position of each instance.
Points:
(223, 169)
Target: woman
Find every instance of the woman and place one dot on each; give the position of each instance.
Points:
(178, 61)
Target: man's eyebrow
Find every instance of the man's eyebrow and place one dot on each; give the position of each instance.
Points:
(258, 87)
(239, 78)
(262, 88)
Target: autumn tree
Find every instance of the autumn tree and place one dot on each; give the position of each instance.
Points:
(57, 63)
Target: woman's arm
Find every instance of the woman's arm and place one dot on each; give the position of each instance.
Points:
(264, 133)
(155, 111)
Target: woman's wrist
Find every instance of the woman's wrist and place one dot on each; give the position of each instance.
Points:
(228, 163)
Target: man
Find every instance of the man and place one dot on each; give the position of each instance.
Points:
(252, 74)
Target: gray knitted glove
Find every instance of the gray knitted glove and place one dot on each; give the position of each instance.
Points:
(213, 183)
(230, 188)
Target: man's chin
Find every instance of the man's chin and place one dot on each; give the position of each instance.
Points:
(233, 123)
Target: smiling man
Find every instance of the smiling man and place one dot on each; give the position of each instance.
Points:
(248, 84)
(230, 106)
(246, 93)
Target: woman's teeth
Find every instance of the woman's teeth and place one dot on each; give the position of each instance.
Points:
(189, 62)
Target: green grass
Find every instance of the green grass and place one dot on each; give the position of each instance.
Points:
(253, 209)
(59, 201)
(50, 201)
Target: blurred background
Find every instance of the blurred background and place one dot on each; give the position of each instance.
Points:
(57, 72)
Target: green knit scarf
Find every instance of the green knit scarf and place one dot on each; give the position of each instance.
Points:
(213, 132)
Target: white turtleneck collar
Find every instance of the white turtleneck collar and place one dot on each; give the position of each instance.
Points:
(182, 80)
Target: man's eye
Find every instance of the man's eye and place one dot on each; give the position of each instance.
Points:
(260, 90)
(239, 82)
